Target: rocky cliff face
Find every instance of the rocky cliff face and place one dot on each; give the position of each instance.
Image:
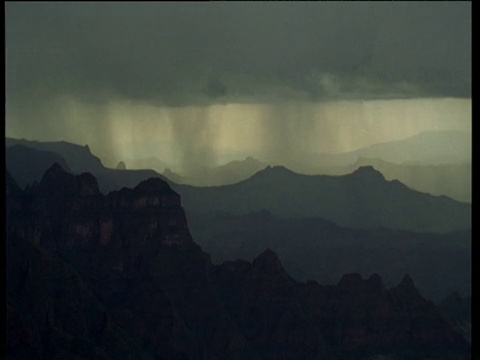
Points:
(135, 257)
(118, 276)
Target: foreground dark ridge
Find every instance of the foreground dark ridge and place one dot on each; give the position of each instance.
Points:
(314, 248)
(119, 276)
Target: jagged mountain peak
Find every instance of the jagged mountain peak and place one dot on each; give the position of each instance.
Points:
(55, 175)
(133, 267)
(57, 181)
(407, 289)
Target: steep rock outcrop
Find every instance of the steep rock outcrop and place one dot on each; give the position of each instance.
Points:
(119, 276)
(134, 251)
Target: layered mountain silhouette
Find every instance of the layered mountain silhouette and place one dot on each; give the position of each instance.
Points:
(313, 248)
(77, 158)
(362, 199)
(91, 276)
(453, 180)
(27, 164)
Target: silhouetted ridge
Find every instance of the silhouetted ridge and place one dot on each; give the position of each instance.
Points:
(368, 172)
(79, 158)
(153, 185)
(407, 289)
(87, 184)
(55, 171)
(27, 164)
(362, 199)
(56, 181)
(118, 274)
(274, 171)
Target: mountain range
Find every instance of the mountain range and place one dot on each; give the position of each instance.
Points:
(448, 175)
(452, 180)
(93, 276)
(72, 157)
(314, 248)
(79, 158)
(362, 199)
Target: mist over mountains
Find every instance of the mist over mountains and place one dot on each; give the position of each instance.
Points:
(238, 180)
(345, 214)
(276, 201)
(438, 163)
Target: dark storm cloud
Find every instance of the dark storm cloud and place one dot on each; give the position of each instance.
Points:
(190, 53)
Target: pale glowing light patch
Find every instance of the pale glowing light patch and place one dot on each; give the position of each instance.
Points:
(212, 135)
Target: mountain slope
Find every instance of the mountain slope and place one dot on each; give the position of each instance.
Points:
(106, 277)
(313, 248)
(363, 199)
(452, 180)
(71, 156)
(28, 165)
(79, 158)
(134, 251)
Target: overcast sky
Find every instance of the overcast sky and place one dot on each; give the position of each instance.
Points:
(210, 53)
